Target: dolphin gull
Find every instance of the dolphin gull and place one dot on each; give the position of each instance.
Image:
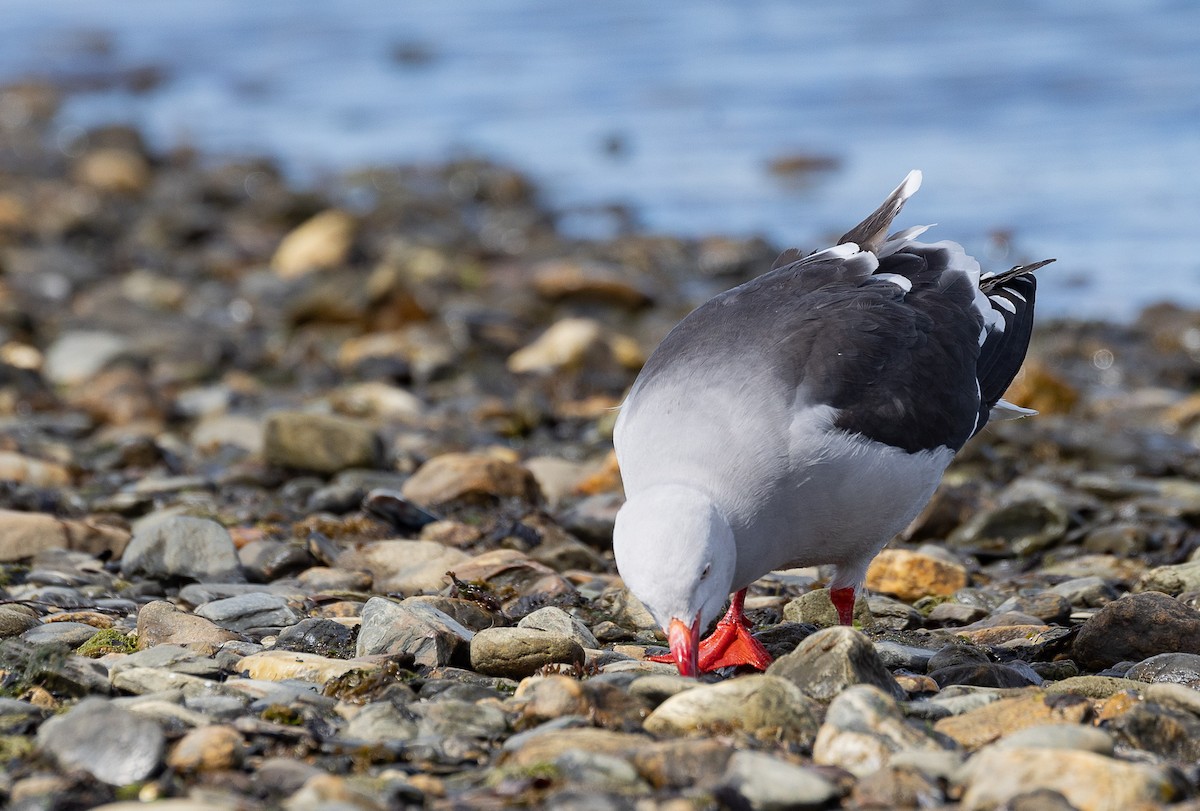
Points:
(805, 417)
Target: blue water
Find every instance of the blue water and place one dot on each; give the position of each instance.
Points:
(1074, 126)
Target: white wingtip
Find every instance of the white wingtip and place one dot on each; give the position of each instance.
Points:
(1004, 410)
(911, 183)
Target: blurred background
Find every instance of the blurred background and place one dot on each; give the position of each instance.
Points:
(1044, 128)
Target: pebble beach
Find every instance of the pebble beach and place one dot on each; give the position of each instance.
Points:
(307, 496)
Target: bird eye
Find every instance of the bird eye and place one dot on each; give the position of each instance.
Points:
(707, 571)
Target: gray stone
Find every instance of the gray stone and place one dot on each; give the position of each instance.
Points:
(895, 655)
(380, 722)
(249, 612)
(113, 745)
(196, 594)
(467, 719)
(16, 716)
(1060, 736)
(831, 660)
(432, 637)
(54, 668)
(600, 771)
(557, 621)
(519, 652)
(184, 547)
(863, 728)
(766, 783)
(70, 634)
(1086, 592)
(142, 680)
(77, 355)
(169, 657)
(1174, 668)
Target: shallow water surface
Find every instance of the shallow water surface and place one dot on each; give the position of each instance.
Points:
(1044, 129)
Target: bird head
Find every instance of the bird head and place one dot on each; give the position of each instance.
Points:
(676, 553)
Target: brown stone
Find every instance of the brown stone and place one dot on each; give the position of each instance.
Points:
(208, 749)
(990, 722)
(547, 747)
(111, 169)
(17, 467)
(909, 575)
(160, 623)
(470, 478)
(23, 535)
(319, 243)
(1137, 627)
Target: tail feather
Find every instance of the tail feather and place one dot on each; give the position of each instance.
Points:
(870, 233)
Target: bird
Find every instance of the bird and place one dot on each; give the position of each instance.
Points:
(806, 417)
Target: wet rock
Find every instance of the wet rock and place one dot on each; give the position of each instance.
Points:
(208, 749)
(754, 703)
(324, 637)
(1136, 627)
(1173, 668)
(319, 442)
(556, 621)
(455, 478)
(411, 627)
(986, 674)
(523, 582)
(909, 575)
(250, 613)
(520, 652)
(320, 243)
(765, 782)
(161, 623)
(983, 725)
(182, 547)
(467, 613)
(113, 745)
(863, 728)
(831, 660)
(997, 775)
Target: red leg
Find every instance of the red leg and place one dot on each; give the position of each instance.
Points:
(731, 643)
(843, 601)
